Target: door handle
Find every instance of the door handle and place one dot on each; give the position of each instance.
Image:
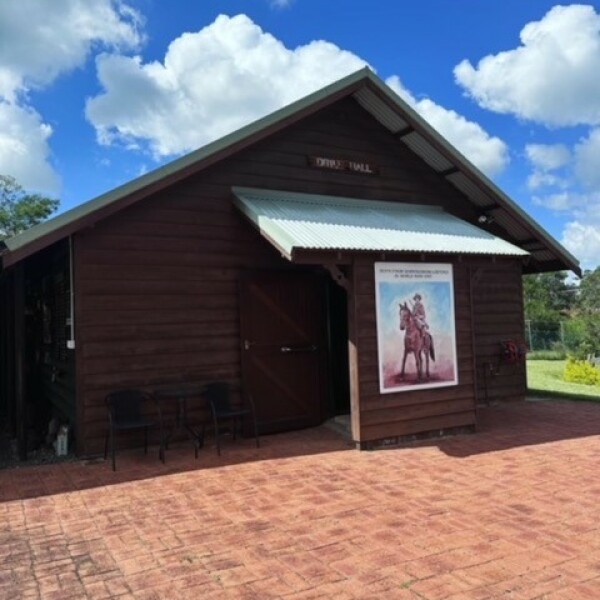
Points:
(288, 349)
(247, 344)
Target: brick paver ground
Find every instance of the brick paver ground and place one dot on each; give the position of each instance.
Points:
(512, 511)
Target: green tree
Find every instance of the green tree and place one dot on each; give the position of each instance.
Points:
(547, 296)
(20, 210)
(587, 314)
(589, 292)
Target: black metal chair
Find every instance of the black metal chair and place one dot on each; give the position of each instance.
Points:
(219, 395)
(126, 412)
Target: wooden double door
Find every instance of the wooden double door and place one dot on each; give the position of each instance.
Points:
(284, 348)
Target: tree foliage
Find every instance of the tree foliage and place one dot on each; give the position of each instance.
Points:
(548, 297)
(589, 293)
(587, 314)
(566, 314)
(20, 210)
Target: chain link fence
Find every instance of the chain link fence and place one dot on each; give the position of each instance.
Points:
(568, 336)
(541, 335)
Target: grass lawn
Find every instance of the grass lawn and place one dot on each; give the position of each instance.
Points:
(545, 377)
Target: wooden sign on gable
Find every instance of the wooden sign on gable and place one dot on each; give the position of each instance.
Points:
(340, 164)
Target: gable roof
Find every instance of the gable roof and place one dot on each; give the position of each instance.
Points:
(385, 106)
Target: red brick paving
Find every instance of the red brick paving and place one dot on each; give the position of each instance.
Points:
(510, 512)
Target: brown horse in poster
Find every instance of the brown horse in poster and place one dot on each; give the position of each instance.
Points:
(418, 341)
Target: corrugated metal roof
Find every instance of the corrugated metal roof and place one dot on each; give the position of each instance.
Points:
(467, 187)
(509, 223)
(380, 110)
(371, 93)
(418, 144)
(543, 255)
(437, 152)
(292, 221)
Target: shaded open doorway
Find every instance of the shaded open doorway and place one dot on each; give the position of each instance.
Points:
(337, 331)
(37, 379)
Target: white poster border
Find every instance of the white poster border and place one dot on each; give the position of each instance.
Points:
(390, 272)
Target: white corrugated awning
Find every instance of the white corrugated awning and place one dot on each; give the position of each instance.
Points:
(293, 221)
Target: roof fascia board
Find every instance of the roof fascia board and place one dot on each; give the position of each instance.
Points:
(470, 170)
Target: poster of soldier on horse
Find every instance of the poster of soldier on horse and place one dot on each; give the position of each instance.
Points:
(416, 332)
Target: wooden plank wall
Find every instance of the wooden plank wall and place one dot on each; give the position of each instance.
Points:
(157, 300)
(498, 315)
(156, 284)
(385, 416)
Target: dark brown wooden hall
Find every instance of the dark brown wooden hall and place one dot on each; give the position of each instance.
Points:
(166, 281)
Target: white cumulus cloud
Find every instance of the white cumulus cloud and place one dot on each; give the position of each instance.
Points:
(582, 239)
(40, 40)
(541, 179)
(587, 160)
(488, 152)
(548, 157)
(581, 232)
(210, 83)
(563, 202)
(228, 74)
(24, 150)
(551, 78)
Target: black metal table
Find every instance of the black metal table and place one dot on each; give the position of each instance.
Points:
(181, 395)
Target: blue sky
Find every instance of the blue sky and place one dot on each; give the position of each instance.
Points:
(436, 300)
(93, 94)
